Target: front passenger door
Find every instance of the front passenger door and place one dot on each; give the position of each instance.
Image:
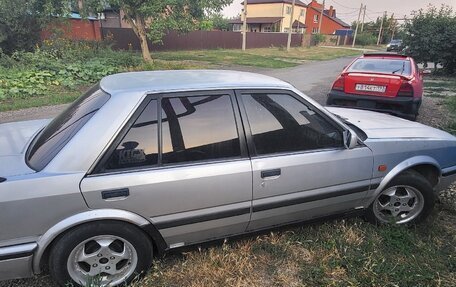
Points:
(182, 163)
(301, 168)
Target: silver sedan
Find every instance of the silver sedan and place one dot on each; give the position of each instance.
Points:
(151, 161)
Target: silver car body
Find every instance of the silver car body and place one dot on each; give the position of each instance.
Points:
(191, 203)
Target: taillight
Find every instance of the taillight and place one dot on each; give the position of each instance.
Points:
(339, 84)
(406, 90)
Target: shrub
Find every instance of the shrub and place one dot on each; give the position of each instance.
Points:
(429, 36)
(318, 38)
(366, 39)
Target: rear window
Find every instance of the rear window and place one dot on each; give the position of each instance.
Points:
(383, 66)
(61, 129)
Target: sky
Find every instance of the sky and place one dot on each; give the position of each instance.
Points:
(348, 10)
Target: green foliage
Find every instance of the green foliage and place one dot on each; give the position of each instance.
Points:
(318, 38)
(430, 37)
(59, 63)
(366, 39)
(154, 18)
(373, 28)
(21, 21)
(18, 28)
(219, 22)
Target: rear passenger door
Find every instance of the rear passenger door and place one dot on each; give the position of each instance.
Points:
(182, 162)
(301, 168)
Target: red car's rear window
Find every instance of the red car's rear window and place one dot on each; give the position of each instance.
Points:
(382, 65)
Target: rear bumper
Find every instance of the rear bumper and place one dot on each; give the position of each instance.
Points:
(16, 261)
(406, 107)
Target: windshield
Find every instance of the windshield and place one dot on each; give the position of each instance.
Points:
(382, 66)
(61, 129)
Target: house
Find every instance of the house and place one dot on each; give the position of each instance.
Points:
(272, 16)
(330, 22)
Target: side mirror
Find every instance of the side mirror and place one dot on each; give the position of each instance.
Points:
(350, 139)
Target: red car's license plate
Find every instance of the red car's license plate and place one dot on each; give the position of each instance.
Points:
(370, 88)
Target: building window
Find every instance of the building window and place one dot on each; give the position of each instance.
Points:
(237, 27)
(316, 18)
(314, 30)
(302, 13)
(288, 10)
(267, 29)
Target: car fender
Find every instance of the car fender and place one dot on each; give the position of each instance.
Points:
(404, 165)
(90, 216)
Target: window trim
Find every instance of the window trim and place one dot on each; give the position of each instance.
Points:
(248, 131)
(99, 170)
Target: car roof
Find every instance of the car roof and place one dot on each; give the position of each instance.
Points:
(179, 80)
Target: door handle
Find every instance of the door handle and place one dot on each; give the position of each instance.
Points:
(108, 194)
(271, 173)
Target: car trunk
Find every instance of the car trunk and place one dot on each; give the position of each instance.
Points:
(372, 84)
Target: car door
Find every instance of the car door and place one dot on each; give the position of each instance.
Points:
(182, 163)
(301, 168)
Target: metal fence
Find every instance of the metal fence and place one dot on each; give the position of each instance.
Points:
(125, 38)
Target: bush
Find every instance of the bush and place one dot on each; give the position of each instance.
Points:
(430, 37)
(318, 38)
(366, 39)
(60, 63)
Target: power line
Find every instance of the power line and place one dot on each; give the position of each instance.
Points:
(342, 5)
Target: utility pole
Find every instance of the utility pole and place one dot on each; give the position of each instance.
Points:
(291, 25)
(381, 27)
(364, 15)
(244, 26)
(321, 17)
(392, 28)
(357, 24)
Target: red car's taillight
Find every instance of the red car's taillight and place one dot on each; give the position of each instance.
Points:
(339, 84)
(406, 90)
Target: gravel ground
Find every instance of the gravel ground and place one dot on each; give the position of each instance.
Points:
(31, 113)
(433, 113)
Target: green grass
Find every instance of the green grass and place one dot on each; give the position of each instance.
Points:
(55, 97)
(262, 58)
(348, 252)
(445, 88)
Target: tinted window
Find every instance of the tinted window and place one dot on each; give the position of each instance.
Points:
(139, 147)
(281, 123)
(198, 128)
(384, 66)
(60, 130)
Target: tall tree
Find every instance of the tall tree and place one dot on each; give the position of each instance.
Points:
(431, 36)
(21, 21)
(150, 19)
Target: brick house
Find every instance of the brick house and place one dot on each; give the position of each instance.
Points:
(330, 21)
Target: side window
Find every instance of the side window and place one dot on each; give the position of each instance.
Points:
(139, 147)
(281, 123)
(198, 128)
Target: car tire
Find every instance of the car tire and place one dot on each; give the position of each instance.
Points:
(408, 199)
(77, 257)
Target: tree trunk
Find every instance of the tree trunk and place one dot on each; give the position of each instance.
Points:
(144, 47)
(139, 28)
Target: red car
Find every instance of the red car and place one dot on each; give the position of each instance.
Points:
(383, 82)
